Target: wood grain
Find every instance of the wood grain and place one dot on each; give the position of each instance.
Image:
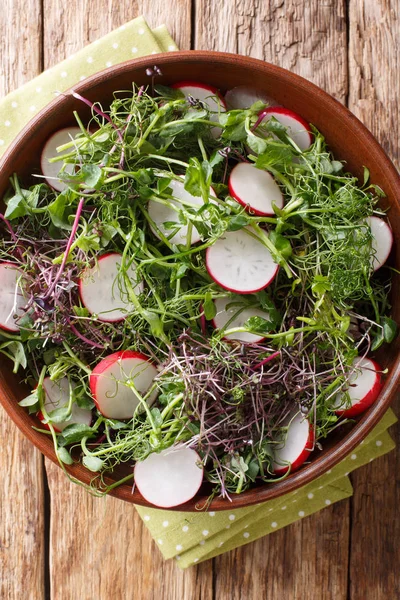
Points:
(308, 38)
(68, 26)
(291, 563)
(100, 546)
(22, 551)
(374, 90)
(103, 551)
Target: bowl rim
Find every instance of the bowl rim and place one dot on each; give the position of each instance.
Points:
(319, 465)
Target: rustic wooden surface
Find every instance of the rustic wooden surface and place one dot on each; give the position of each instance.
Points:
(57, 542)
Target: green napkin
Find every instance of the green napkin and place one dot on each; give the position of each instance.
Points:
(195, 537)
(188, 537)
(132, 40)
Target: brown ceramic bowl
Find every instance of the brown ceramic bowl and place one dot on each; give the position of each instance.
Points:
(349, 140)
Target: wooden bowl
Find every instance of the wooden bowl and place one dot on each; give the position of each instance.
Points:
(348, 139)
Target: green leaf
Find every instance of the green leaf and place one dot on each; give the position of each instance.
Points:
(156, 325)
(157, 418)
(92, 463)
(259, 325)
(257, 144)
(64, 456)
(168, 92)
(76, 432)
(162, 184)
(281, 243)
(59, 210)
(275, 154)
(366, 176)
(209, 307)
(16, 352)
(389, 329)
(320, 285)
(16, 207)
(30, 400)
(193, 178)
(92, 175)
(238, 222)
(59, 415)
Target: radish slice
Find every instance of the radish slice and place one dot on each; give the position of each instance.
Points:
(365, 385)
(298, 128)
(207, 94)
(240, 263)
(243, 97)
(56, 395)
(255, 189)
(51, 170)
(236, 319)
(296, 447)
(114, 399)
(103, 292)
(170, 477)
(11, 298)
(160, 214)
(382, 241)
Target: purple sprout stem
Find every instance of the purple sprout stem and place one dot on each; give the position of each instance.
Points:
(12, 233)
(266, 360)
(68, 248)
(99, 112)
(83, 338)
(261, 117)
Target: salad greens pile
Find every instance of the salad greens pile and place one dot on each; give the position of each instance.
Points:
(228, 400)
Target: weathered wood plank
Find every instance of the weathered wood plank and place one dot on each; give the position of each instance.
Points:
(21, 466)
(103, 551)
(306, 38)
(373, 96)
(308, 559)
(105, 537)
(68, 26)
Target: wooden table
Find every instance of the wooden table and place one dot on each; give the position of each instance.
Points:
(58, 542)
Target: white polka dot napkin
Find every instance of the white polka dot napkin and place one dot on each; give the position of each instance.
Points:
(188, 537)
(132, 40)
(194, 537)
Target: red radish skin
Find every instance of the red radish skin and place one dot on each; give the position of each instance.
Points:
(224, 315)
(160, 214)
(240, 263)
(297, 446)
(51, 170)
(241, 97)
(255, 189)
(169, 478)
(100, 289)
(113, 399)
(364, 388)
(382, 241)
(298, 128)
(11, 298)
(57, 396)
(204, 93)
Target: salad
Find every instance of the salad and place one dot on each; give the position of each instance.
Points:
(192, 288)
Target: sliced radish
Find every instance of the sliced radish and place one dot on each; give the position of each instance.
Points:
(170, 477)
(242, 96)
(296, 447)
(103, 291)
(240, 263)
(207, 94)
(51, 170)
(365, 384)
(237, 317)
(114, 399)
(298, 129)
(160, 214)
(56, 395)
(11, 298)
(382, 241)
(255, 189)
